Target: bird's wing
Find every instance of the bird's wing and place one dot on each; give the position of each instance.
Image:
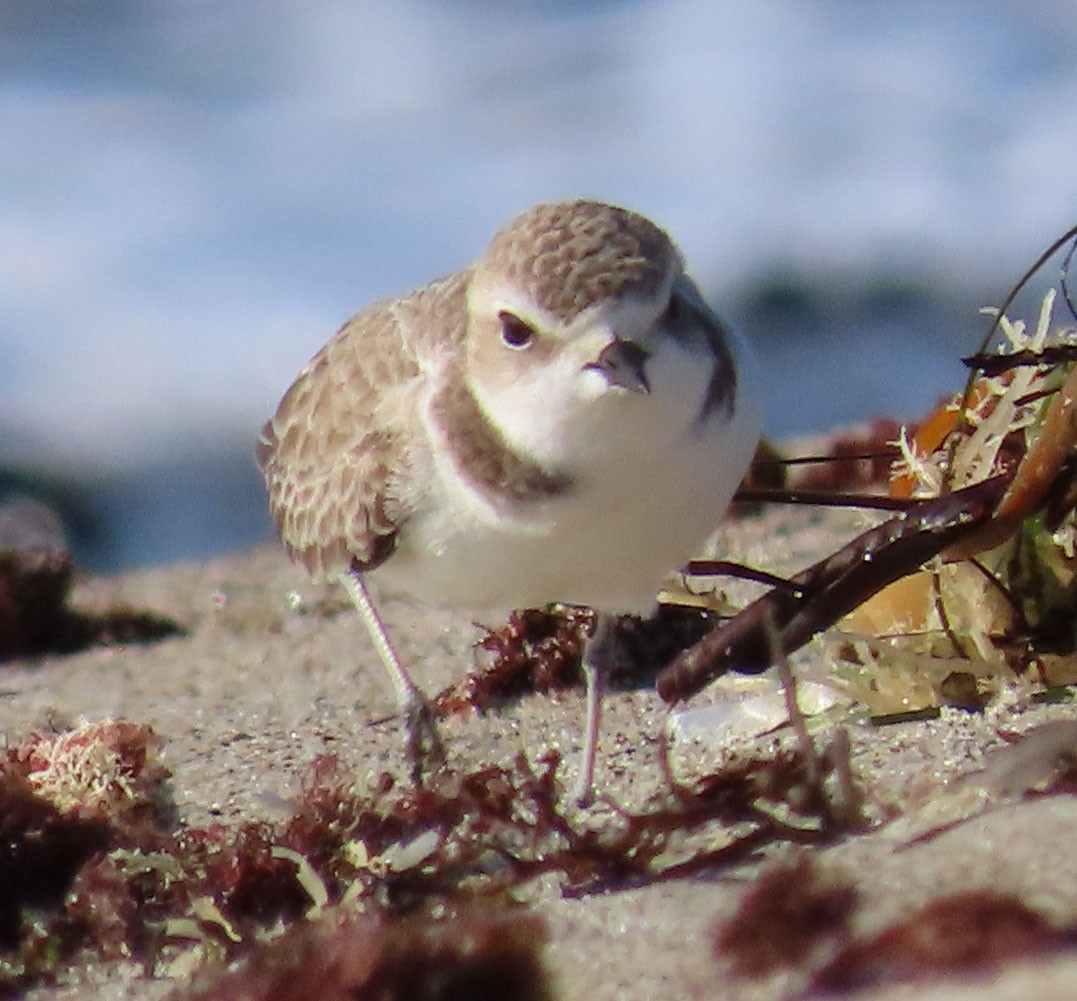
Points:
(336, 453)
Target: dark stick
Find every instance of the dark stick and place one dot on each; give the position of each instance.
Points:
(727, 568)
(822, 498)
(996, 364)
(831, 588)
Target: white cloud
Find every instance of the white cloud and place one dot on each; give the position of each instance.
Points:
(191, 208)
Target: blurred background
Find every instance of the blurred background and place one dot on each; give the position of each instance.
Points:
(194, 195)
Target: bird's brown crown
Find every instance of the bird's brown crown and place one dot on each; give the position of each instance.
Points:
(568, 256)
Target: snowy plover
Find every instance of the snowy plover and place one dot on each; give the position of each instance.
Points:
(563, 420)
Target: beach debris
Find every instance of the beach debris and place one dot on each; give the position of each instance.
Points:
(970, 581)
(800, 921)
(35, 575)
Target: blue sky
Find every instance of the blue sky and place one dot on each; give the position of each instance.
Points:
(194, 195)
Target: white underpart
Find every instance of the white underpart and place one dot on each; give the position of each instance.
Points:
(651, 484)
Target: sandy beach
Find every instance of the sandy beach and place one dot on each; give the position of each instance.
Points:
(270, 673)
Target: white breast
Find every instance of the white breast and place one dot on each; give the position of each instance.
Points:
(638, 508)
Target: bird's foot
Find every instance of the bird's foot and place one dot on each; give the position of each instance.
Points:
(424, 747)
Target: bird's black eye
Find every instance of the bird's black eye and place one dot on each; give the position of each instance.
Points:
(516, 333)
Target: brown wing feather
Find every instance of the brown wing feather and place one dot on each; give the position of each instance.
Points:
(334, 454)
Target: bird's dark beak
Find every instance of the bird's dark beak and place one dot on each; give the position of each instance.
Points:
(621, 362)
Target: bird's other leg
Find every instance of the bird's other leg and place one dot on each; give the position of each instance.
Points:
(602, 652)
(424, 748)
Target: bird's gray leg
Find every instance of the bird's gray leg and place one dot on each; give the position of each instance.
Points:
(424, 748)
(602, 651)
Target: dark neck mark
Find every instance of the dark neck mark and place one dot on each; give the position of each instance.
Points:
(691, 322)
(481, 453)
(721, 392)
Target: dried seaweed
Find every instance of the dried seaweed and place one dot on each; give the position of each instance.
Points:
(975, 932)
(983, 547)
(799, 918)
(536, 650)
(36, 572)
(65, 799)
(95, 868)
(539, 650)
(795, 915)
(473, 954)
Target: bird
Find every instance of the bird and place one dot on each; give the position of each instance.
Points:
(563, 420)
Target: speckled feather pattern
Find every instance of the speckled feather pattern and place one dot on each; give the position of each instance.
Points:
(569, 256)
(332, 453)
(566, 419)
(361, 443)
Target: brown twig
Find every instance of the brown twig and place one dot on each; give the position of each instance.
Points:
(832, 587)
(823, 498)
(991, 364)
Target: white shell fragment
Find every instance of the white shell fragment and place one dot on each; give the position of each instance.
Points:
(739, 715)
